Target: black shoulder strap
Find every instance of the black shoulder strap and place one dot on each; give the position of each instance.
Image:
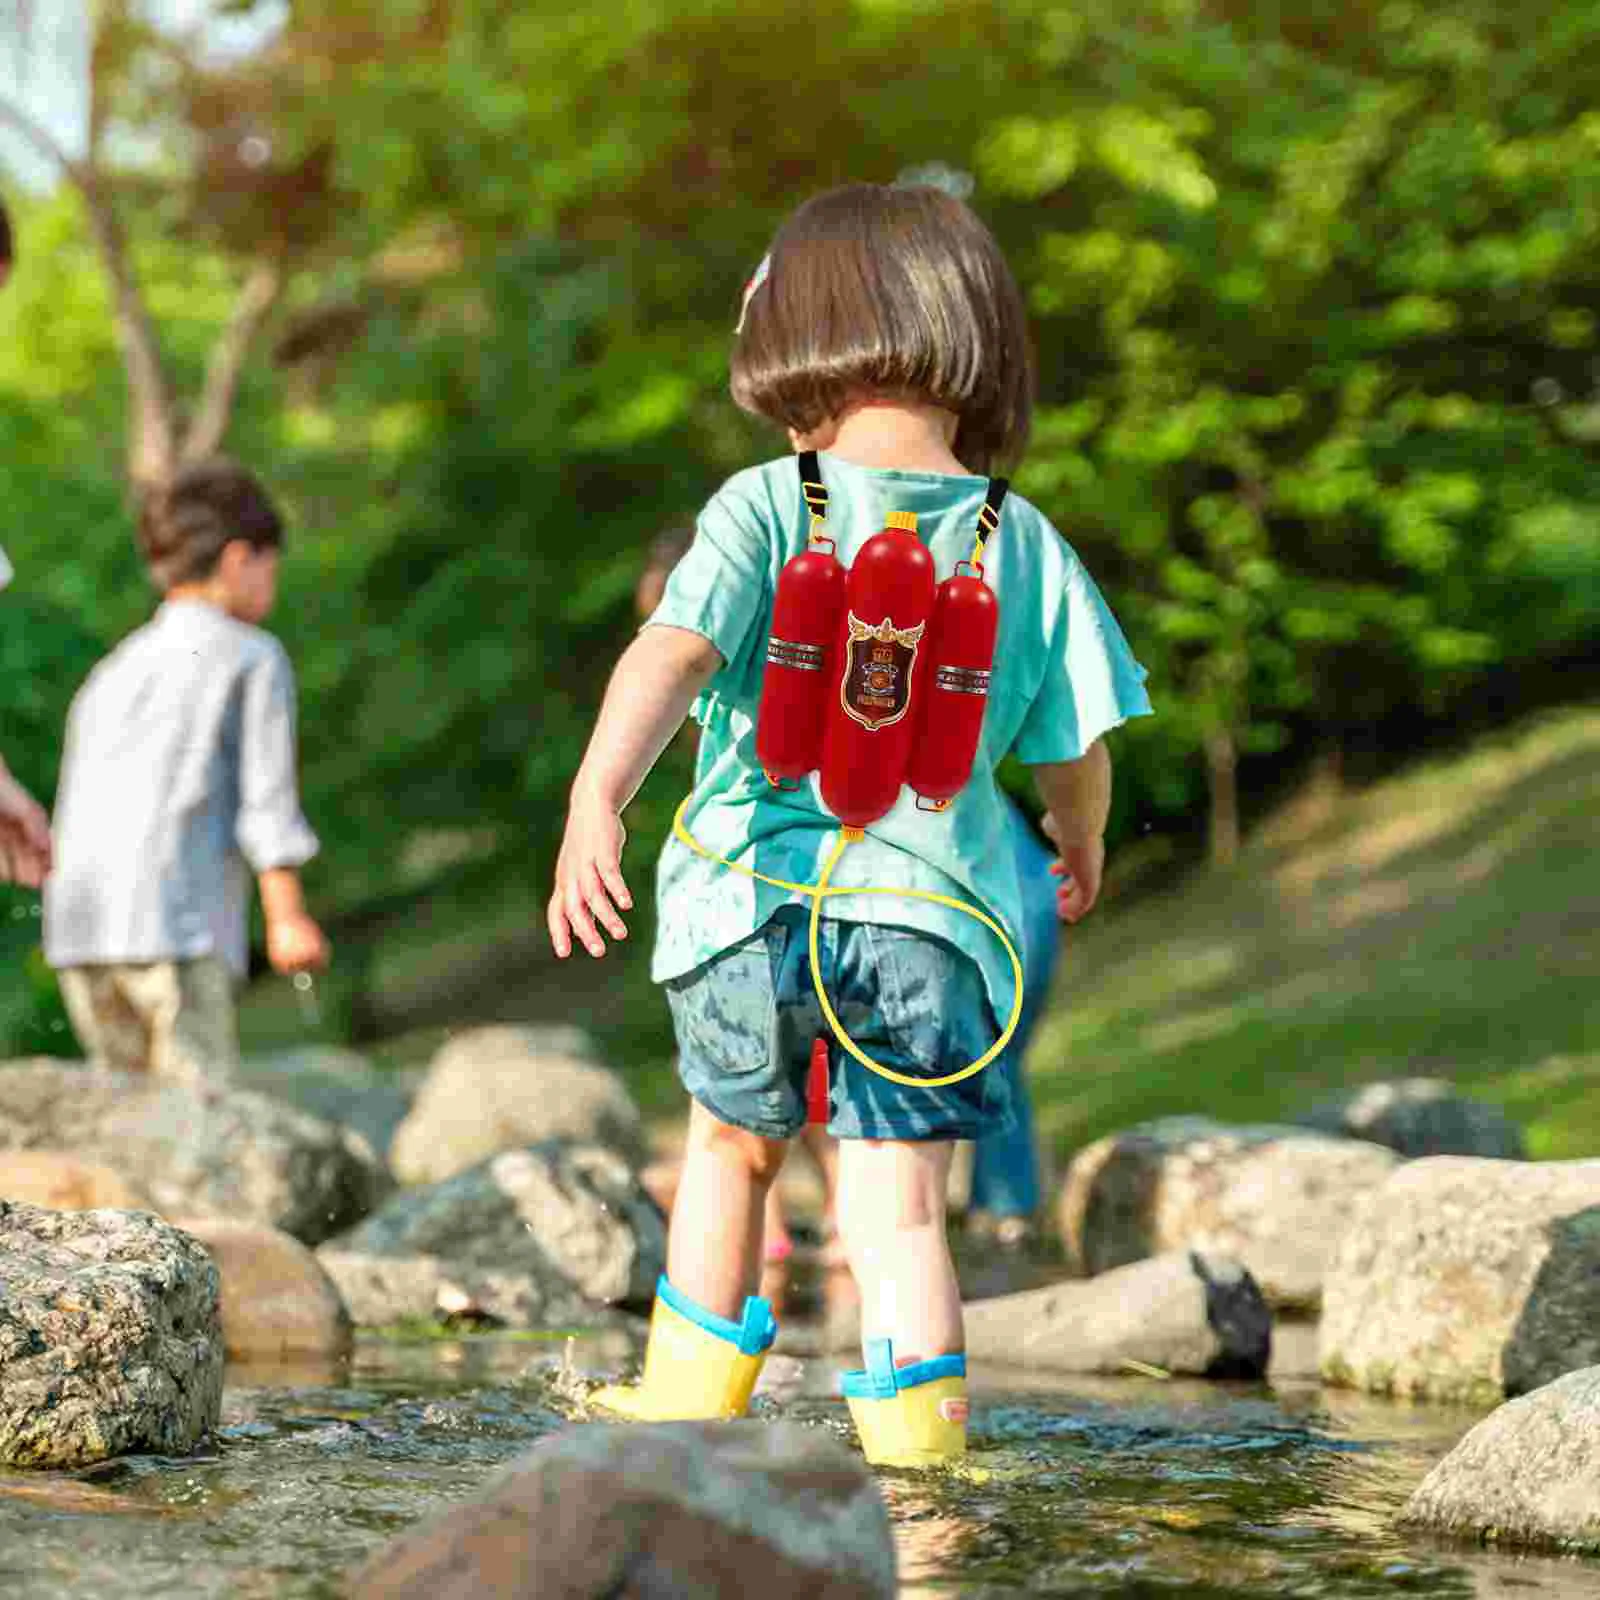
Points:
(989, 511)
(816, 497)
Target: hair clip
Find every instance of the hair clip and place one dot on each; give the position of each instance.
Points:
(759, 277)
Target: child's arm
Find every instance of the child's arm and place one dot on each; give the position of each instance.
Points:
(24, 834)
(1077, 798)
(294, 942)
(272, 833)
(649, 695)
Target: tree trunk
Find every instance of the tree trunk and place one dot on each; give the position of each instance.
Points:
(1223, 784)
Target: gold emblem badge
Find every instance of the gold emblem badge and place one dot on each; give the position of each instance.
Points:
(876, 687)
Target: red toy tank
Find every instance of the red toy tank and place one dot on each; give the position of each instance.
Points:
(881, 656)
(966, 617)
(801, 654)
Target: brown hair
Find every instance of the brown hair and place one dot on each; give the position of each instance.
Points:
(890, 291)
(184, 527)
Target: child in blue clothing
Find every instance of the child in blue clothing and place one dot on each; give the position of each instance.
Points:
(885, 332)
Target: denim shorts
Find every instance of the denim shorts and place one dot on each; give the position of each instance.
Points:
(746, 1019)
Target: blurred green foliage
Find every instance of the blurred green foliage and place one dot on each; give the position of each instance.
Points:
(1314, 298)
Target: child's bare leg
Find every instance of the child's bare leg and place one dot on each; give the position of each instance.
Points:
(823, 1149)
(714, 1244)
(776, 1243)
(891, 1219)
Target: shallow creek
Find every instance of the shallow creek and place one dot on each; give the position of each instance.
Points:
(1131, 1487)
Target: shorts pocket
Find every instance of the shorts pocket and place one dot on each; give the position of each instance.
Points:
(724, 1011)
(931, 997)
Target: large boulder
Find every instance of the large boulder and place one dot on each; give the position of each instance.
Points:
(1467, 1279)
(1528, 1474)
(494, 1089)
(208, 1152)
(61, 1181)
(1267, 1196)
(338, 1086)
(110, 1339)
(719, 1509)
(1181, 1312)
(277, 1301)
(532, 1238)
(1419, 1117)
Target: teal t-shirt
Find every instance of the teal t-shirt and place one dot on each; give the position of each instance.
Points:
(1063, 675)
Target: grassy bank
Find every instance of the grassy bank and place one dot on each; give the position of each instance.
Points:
(1445, 922)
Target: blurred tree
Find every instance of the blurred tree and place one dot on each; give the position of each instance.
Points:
(1313, 296)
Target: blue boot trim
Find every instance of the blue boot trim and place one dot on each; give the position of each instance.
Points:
(752, 1335)
(882, 1380)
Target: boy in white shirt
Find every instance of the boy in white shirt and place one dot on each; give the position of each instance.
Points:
(177, 782)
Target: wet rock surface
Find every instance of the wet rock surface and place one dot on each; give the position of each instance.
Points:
(1271, 1197)
(500, 1088)
(1419, 1117)
(277, 1300)
(1181, 1312)
(713, 1509)
(1465, 1279)
(339, 1086)
(532, 1238)
(110, 1338)
(213, 1152)
(61, 1181)
(1528, 1474)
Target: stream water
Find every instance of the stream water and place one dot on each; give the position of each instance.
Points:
(1129, 1487)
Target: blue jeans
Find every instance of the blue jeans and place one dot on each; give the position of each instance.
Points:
(1005, 1168)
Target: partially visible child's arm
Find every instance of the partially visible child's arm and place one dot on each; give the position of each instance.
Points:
(649, 695)
(1077, 798)
(24, 834)
(294, 942)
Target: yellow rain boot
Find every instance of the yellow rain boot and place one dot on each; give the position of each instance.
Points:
(909, 1416)
(697, 1365)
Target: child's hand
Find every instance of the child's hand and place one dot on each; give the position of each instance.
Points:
(296, 944)
(1080, 867)
(588, 878)
(24, 835)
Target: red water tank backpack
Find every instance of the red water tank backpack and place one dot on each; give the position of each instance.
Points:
(878, 676)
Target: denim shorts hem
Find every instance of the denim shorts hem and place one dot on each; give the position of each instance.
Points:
(770, 1130)
(900, 1136)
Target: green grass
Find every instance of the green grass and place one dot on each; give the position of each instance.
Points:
(1446, 922)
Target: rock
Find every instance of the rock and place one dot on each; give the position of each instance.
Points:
(1267, 1196)
(60, 1181)
(533, 1238)
(277, 1301)
(110, 1340)
(1419, 1117)
(689, 1508)
(213, 1152)
(501, 1088)
(336, 1085)
(1182, 1312)
(1528, 1474)
(1467, 1279)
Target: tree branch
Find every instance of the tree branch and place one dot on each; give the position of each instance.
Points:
(250, 312)
(151, 450)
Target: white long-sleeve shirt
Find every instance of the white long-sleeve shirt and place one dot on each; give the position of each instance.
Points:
(177, 783)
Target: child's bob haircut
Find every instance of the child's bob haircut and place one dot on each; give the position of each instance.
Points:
(898, 292)
(184, 527)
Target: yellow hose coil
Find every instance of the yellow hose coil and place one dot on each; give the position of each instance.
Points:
(817, 893)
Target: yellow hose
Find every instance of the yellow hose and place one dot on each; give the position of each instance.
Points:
(817, 893)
